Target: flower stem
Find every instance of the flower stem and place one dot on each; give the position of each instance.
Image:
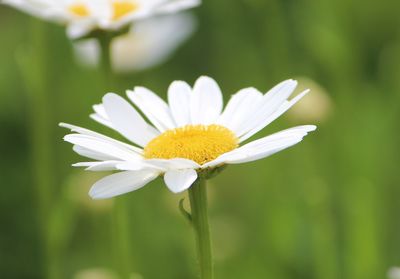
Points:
(121, 238)
(105, 40)
(34, 67)
(198, 205)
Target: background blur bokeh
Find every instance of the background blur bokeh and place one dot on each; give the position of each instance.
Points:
(327, 208)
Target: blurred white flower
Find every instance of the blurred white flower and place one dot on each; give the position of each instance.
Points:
(149, 43)
(317, 107)
(188, 138)
(394, 273)
(135, 276)
(95, 273)
(84, 16)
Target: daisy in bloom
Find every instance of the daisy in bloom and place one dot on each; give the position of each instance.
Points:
(184, 140)
(84, 16)
(150, 42)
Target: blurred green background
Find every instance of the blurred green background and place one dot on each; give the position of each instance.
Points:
(327, 208)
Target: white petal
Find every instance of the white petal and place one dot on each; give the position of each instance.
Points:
(80, 28)
(263, 147)
(175, 6)
(162, 165)
(121, 183)
(281, 110)
(240, 108)
(84, 131)
(206, 102)
(136, 165)
(271, 102)
(179, 93)
(180, 180)
(91, 154)
(32, 8)
(101, 116)
(155, 109)
(172, 164)
(127, 121)
(87, 52)
(96, 117)
(99, 166)
(99, 9)
(151, 42)
(101, 111)
(105, 148)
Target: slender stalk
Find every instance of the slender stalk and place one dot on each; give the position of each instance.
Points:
(33, 65)
(198, 205)
(121, 238)
(105, 43)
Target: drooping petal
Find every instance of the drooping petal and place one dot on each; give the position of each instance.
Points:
(91, 154)
(99, 166)
(206, 101)
(179, 94)
(180, 180)
(155, 109)
(263, 147)
(121, 183)
(88, 132)
(103, 147)
(127, 121)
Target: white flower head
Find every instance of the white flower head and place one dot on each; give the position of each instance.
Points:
(184, 139)
(84, 16)
(394, 273)
(149, 43)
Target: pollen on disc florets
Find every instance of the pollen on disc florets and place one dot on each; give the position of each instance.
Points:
(199, 143)
(79, 10)
(122, 8)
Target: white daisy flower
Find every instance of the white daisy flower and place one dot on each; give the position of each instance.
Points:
(185, 139)
(84, 16)
(150, 42)
(394, 273)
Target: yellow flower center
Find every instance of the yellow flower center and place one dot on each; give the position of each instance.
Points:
(122, 8)
(199, 143)
(79, 10)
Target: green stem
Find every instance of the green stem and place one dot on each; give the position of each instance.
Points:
(33, 64)
(198, 205)
(105, 40)
(121, 238)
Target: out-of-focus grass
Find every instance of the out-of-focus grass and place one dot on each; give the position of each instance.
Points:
(327, 208)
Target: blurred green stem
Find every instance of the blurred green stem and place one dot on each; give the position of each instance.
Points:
(121, 238)
(198, 205)
(33, 64)
(105, 40)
